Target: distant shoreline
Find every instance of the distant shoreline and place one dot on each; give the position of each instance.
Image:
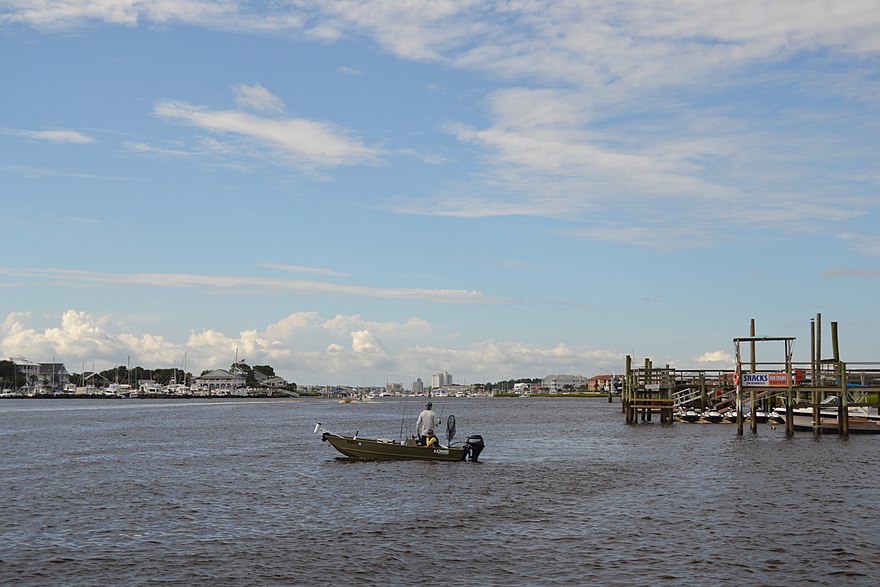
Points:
(281, 396)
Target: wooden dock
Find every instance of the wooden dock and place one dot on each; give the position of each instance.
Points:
(650, 390)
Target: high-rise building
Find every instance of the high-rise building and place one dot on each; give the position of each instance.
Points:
(440, 379)
(418, 387)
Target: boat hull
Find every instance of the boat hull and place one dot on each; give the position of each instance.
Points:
(378, 449)
(802, 419)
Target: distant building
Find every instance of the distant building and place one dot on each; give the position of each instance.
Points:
(560, 383)
(439, 380)
(522, 387)
(37, 376)
(220, 382)
(599, 383)
(418, 387)
(273, 382)
(53, 375)
(394, 388)
(27, 373)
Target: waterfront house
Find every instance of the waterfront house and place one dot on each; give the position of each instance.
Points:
(220, 382)
(52, 375)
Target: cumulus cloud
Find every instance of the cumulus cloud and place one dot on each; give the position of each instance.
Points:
(292, 346)
(82, 337)
(722, 358)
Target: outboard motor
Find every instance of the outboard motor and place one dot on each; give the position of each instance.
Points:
(475, 446)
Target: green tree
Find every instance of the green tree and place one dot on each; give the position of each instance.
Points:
(8, 373)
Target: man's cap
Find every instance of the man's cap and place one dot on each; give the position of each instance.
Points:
(428, 405)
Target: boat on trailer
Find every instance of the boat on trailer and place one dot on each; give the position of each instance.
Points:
(357, 447)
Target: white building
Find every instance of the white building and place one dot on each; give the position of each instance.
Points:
(39, 376)
(439, 380)
(27, 373)
(394, 388)
(219, 382)
(559, 383)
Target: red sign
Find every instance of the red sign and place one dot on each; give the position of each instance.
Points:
(777, 380)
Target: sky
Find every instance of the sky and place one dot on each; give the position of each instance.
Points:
(362, 192)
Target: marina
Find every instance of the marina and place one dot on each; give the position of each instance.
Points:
(824, 395)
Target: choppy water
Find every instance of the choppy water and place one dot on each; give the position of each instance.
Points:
(144, 492)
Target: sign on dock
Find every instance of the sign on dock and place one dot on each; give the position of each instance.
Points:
(764, 380)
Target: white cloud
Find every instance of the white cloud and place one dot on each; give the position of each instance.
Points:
(721, 358)
(83, 338)
(64, 278)
(292, 347)
(305, 141)
(865, 244)
(346, 70)
(851, 272)
(60, 14)
(258, 98)
(53, 136)
(304, 269)
(146, 149)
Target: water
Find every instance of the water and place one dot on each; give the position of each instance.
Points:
(240, 492)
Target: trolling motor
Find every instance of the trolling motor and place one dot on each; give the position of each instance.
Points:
(474, 445)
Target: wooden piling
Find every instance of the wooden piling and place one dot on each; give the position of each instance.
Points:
(843, 419)
(814, 376)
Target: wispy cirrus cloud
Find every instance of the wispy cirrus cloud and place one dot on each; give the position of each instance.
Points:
(595, 110)
(304, 269)
(257, 285)
(64, 14)
(52, 135)
(304, 141)
(142, 148)
(258, 98)
(851, 272)
(865, 244)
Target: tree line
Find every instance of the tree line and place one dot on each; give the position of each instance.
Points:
(124, 375)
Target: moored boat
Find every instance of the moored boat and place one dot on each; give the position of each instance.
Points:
(690, 415)
(860, 419)
(712, 415)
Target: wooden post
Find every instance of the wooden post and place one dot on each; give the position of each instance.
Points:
(834, 348)
(737, 376)
(754, 362)
(753, 411)
(703, 389)
(814, 380)
(789, 424)
(753, 426)
(843, 419)
(627, 385)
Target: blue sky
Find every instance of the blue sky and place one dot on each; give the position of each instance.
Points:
(362, 192)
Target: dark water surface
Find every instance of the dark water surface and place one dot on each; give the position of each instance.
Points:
(240, 492)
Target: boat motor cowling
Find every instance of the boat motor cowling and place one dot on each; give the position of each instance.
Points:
(475, 446)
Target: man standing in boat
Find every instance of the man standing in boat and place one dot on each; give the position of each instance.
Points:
(428, 420)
